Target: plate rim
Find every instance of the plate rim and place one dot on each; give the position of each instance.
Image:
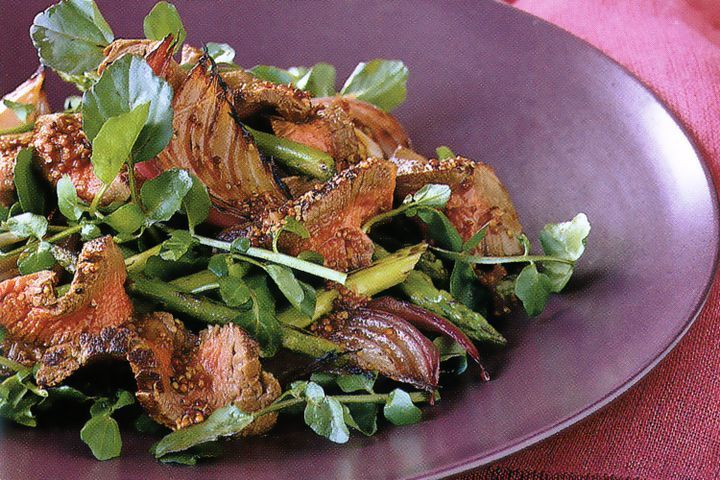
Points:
(546, 432)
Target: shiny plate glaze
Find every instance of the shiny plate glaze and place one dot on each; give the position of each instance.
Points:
(566, 128)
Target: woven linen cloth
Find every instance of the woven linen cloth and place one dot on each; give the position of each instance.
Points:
(667, 426)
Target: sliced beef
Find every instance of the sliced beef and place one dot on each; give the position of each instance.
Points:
(182, 378)
(333, 213)
(478, 198)
(10, 145)
(252, 96)
(210, 142)
(61, 148)
(329, 130)
(381, 127)
(31, 92)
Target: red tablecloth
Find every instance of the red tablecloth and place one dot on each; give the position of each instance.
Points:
(668, 426)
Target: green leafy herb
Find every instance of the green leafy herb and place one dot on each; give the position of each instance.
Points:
(431, 195)
(452, 354)
(22, 111)
(234, 292)
(72, 104)
(444, 153)
(362, 417)
(380, 82)
(278, 75)
(29, 189)
(240, 245)
(101, 433)
(355, 382)
(163, 195)
(19, 395)
(533, 289)
(220, 52)
(260, 320)
(89, 231)
(68, 201)
(564, 240)
(196, 203)
(114, 142)
(400, 409)
(127, 219)
(425, 201)
(218, 264)
(191, 456)
(125, 85)
(27, 225)
(177, 245)
(440, 228)
(301, 295)
(164, 20)
(36, 259)
(319, 81)
(223, 422)
(70, 38)
(290, 225)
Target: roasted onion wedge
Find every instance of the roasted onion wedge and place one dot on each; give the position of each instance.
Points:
(30, 92)
(158, 53)
(383, 342)
(209, 141)
(182, 378)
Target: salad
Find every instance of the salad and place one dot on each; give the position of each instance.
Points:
(206, 250)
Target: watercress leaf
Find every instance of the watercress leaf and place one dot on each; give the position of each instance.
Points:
(475, 240)
(260, 320)
(102, 434)
(464, 286)
(234, 292)
(177, 245)
(18, 396)
(126, 219)
(292, 225)
(453, 353)
(380, 82)
(124, 85)
(312, 257)
(431, 195)
(223, 422)
(68, 202)
(21, 110)
(27, 225)
(400, 410)
(533, 289)
(362, 417)
(89, 231)
(191, 456)
(277, 75)
(101, 406)
(196, 203)
(558, 275)
(323, 379)
(240, 245)
(72, 104)
(4, 213)
(218, 264)
(301, 295)
(30, 191)
(37, 259)
(145, 424)
(66, 393)
(313, 392)
(123, 398)
(326, 417)
(220, 52)
(567, 239)
(319, 81)
(355, 382)
(443, 153)
(115, 140)
(164, 20)
(441, 229)
(163, 195)
(70, 36)
(297, 389)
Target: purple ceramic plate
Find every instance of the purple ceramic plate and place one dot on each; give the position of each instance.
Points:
(567, 129)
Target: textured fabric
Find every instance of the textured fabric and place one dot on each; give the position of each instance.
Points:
(668, 426)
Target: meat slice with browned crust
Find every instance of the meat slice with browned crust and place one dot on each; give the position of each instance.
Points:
(252, 96)
(61, 148)
(333, 213)
(182, 378)
(30, 92)
(10, 145)
(209, 141)
(378, 125)
(478, 198)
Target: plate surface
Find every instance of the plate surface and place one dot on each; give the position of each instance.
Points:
(567, 129)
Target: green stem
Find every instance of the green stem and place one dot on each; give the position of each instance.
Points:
(136, 263)
(480, 260)
(416, 397)
(58, 236)
(295, 156)
(11, 364)
(379, 276)
(26, 127)
(281, 259)
(385, 216)
(96, 199)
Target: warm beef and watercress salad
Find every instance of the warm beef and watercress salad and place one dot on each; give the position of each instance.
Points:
(186, 218)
